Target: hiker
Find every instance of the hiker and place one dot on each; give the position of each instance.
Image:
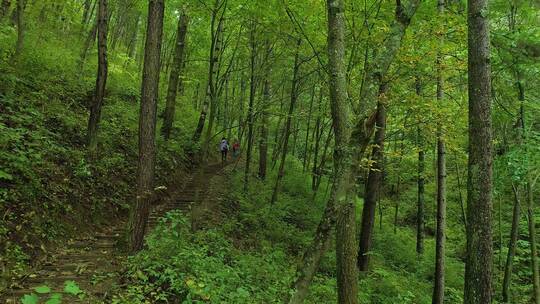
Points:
(224, 148)
(236, 149)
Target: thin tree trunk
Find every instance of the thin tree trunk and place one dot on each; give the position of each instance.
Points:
(478, 266)
(286, 135)
(101, 80)
(175, 77)
(210, 88)
(90, 39)
(20, 28)
(461, 201)
(250, 118)
(307, 131)
(147, 124)
(372, 189)
(263, 142)
(213, 87)
(322, 164)
(514, 233)
(318, 136)
(440, 241)
(420, 214)
(132, 47)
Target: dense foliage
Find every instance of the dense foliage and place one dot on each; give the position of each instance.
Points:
(257, 71)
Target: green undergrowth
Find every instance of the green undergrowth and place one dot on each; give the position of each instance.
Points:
(49, 188)
(252, 256)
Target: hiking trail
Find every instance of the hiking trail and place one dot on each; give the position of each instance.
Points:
(94, 262)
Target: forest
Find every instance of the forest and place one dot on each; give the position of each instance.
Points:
(278, 151)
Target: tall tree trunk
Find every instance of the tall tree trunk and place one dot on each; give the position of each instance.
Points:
(250, 116)
(263, 141)
(420, 213)
(101, 80)
(147, 124)
(318, 137)
(287, 131)
(20, 28)
(211, 70)
(132, 47)
(373, 186)
(478, 266)
(306, 145)
(175, 77)
(438, 290)
(343, 188)
(363, 127)
(514, 234)
(213, 87)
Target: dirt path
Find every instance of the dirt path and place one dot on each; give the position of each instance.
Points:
(93, 263)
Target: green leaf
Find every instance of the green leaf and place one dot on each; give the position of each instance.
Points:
(30, 299)
(56, 298)
(71, 287)
(6, 176)
(42, 289)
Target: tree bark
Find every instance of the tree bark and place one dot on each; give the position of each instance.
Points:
(342, 189)
(263, 141)
(20, 28)
(420, 213)
(147, 124)
(175, 77)
(306, 145)
(373, 186)
(250, 116)
(318, 137)
(211, 70)
(101, 80)
(514, 234)
(440, 239)
(287, 131)
(478, 266)
(132, 47)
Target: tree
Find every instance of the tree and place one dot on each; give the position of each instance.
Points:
(250, 115)
(288, 123)
(215, 47)
(20, 27)
(373, 186)
(440, 241)
(175, 76)
(147, 124)
(478, 265)
(342, 191)
(420, 213)
(362, 129)
(101, 80)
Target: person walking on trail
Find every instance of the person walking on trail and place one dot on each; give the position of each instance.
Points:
(236, 149)
(224, 148)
